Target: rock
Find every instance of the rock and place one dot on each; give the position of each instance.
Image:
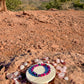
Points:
(22, 67)
(61, 75)
(58, 61)
(58, 67)
(9, 75)
(61, 61)
(36, 60)
(66, 78)
(25, 64)
(64, 67)
(17, 82)
(16, 73)
(55, 64)
(39, 62)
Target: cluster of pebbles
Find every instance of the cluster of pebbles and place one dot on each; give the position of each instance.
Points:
(19, 75)
(59, 65)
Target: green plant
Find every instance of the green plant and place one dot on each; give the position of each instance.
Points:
(54, 4)
(42, 6)
(13, 5)
(65, 4)
(77, 4)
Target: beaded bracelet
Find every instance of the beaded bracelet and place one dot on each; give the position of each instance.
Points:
(47, 70)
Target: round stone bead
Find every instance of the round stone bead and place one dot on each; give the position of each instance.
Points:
(36, 60)
(66, 78)
(25, 64)
(61, 61)
(39, 62)
(22, 67)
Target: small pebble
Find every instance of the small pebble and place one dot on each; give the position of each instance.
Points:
(39, 62)
(15, 78)
(48, 62)
(55, 65)
(58, 68)
(25, 64)
(64, 67)
(10, 76)
(58, 61)
(46, 58)
(17, 82)
(66, 78)
(22, 67)
(61, 75)
(16, 73)
(36, 60)
(62, 61)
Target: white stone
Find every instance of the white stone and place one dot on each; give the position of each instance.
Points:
(61, 75)
(66, 78)
(36, 60)
(22, 67)
(39, 62)
(62, 61)
(25, 64)
(55, 64)
(16, 82)
(10, 76)
(64, 67)
(58, 67)
(15, 78)
(16, 73)
(58, 61)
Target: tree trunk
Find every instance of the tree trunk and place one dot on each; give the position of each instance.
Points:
(3, 5)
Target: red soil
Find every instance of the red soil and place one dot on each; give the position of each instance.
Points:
(43, 33)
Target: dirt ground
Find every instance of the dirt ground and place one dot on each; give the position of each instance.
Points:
(36, 34)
